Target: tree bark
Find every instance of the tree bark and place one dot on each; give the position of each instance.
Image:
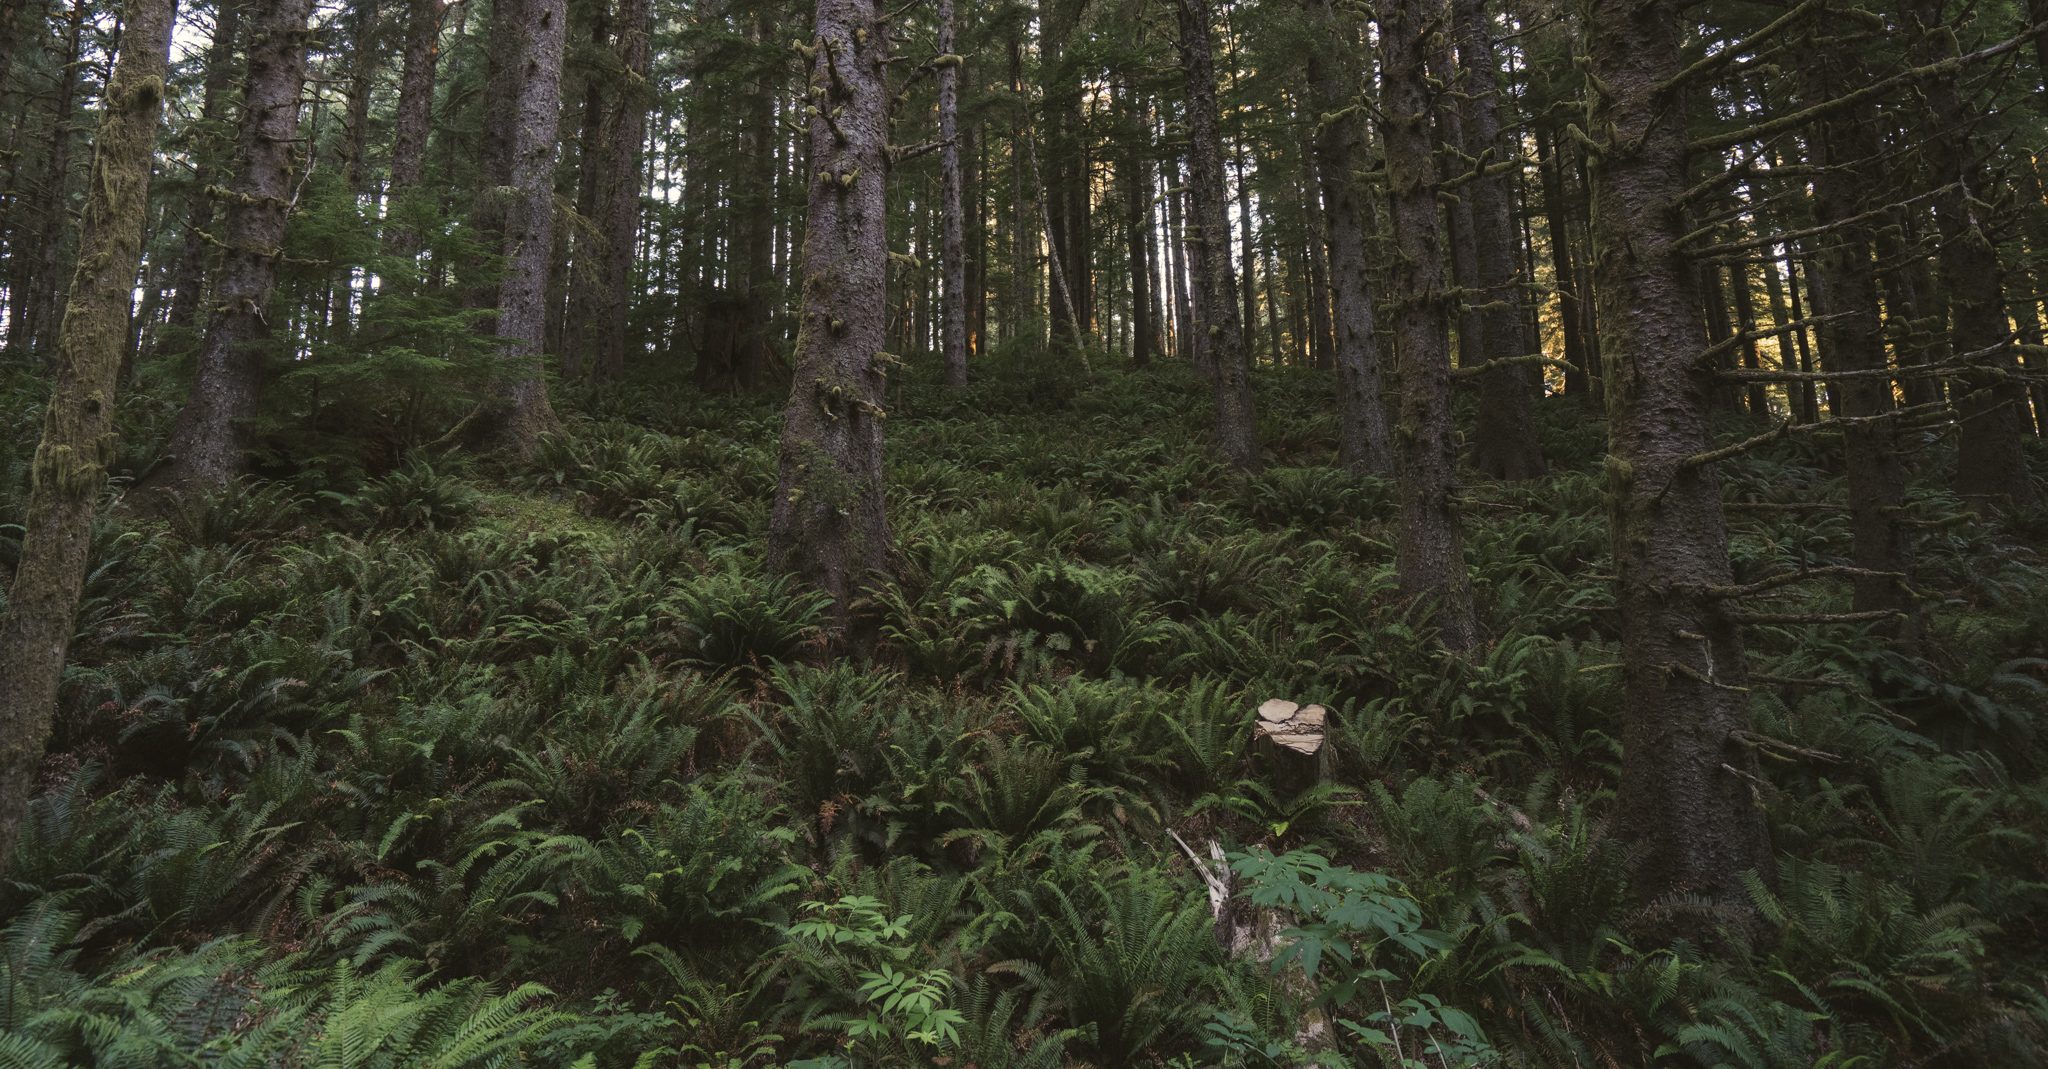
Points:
(189, 283)
(413, 119)
(1340, 153)
(1430, 554)
(1845, 147)
(828, 525)
(1505, 444)
(78, 424)
(952, 222)
(209, 443)
(1989, 459)
(515, 411)
(1236, 421)
(1685, 779)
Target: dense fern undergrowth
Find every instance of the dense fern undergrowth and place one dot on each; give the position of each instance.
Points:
(459, 763)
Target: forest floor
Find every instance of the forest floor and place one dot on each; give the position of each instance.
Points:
(472, 763)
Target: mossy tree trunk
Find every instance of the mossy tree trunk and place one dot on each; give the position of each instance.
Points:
(1504, 444)
(1237, 423)
(527, 42)
(209, 444)
(78, 425)
(1685, 793)
(1430, 555)
(1340, 154)
(827, 523)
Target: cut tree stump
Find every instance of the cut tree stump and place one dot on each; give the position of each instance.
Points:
(1292, 739)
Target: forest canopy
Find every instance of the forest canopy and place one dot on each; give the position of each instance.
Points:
(1001, 535)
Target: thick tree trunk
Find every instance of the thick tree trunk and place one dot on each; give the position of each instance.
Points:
(1844, 146)
(1236, 423)
(1340, 154)
(1989, 458)
(1504, 445)
(1430, 555)
(1686, 778)
(952, 223)
(189, 283)
(208, 445)
(516, 412)
(828, 524)
(78, 424)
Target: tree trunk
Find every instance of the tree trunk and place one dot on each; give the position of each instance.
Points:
(40, 306)
(952, 222)
(1430, 556)
(1989, 458)
(1810, 397)
(1565, 273)
(1683, 661)
(189, 284)
(1340, 154)
(615, 124)
(1504, 445)
(620, 221)
(1236, 422)
(362, 33)
(1317, 258)
(1136, 179)
(828, 525)
(208, 445)
(10, 34)
(413, 120)
(516, 412)
(1844, 147)
(1798, 395)
(1757, 400)
(1022, 244)
(78, 424)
